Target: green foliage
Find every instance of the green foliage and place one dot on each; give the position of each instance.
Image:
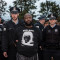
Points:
(49, 7)
(26, 6)
(2, 7)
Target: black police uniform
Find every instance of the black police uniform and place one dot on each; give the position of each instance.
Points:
(1, 34)
(41, 27)
(51, 40)
(38, 24)
(8, 44)
(8, 39)
(1, 31)
(28, 40)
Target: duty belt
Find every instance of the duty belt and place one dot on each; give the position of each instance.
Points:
(51, 46)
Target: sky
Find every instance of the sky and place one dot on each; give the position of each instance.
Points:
(10, 3)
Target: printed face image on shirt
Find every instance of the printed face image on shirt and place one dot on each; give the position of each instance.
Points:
(27, 38)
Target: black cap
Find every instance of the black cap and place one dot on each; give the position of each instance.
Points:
(14, 10)
(53, 18)
(42, 17)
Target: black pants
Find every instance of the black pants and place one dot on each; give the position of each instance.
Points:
(47, 54)
(40, 54)
(12, 53)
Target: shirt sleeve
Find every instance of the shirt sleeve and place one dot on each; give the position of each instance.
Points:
(4, 38)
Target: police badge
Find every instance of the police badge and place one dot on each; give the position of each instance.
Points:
(56, 30)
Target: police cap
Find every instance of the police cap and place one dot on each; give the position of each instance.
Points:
(14, 10)
(42, 17)
(53, 18)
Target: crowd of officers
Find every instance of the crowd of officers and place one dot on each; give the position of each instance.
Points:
(24, 40)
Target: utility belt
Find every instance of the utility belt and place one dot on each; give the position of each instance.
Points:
(12, 44)
(52, 46)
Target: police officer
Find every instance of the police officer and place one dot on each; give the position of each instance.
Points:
(51, 40)
(40, 25)
(8, 45)
(27, 40)
(1, 32)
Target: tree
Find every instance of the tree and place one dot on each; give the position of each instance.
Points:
(25, 6)
(2, 7)
(50, 7)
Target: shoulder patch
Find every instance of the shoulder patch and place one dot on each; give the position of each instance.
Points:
(4, 29)
(37, 26)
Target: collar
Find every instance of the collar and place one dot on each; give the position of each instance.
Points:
(16, 22)
(53, 26)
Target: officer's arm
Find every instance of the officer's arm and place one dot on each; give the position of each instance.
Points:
(40, 39)
(4, 41)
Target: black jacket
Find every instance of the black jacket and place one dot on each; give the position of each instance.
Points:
(28, 40)
(8, 34)
(39, 25)
(1, 32)
(51, 36)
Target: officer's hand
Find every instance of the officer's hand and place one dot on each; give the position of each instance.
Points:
(5, 54)
(41, 47)
(16, 41)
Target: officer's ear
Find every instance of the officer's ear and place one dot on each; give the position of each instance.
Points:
(56, 20)
(49, 20)
(18, 14)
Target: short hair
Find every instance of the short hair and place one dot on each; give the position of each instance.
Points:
(27, 15)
